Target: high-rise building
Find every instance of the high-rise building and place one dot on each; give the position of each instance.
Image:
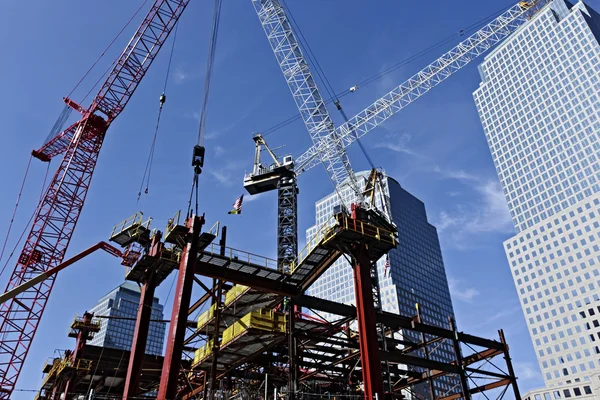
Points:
(416, 272)
(117, 332)
(539, 103)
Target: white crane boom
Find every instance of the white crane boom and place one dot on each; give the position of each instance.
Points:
(429, 77)
(304, 90)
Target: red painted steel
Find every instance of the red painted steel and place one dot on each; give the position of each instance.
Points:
(142, 323)
(169, 378)
(365, 317)
(61, 206)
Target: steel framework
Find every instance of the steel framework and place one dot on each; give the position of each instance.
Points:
(59, 210)
(419, 84)
(304, 356)
(287, 221)
(304, 89)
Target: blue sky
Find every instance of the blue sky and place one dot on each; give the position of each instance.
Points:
(436, 148)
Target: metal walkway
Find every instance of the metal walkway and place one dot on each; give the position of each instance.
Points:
(335, 238)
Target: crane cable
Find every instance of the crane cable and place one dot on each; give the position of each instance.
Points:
(198, 155)
(162, 100)
(394, 67)
(323, 77)
(28, 222)
(107, 48)
(12, 219)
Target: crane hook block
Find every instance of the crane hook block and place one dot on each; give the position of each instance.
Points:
(198, 158)
(162, 99)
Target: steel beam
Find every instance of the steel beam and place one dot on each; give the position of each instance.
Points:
(244, 278)
(367, 330)
(509, 366)
(181, 305)
(458, 355)
(142, 325)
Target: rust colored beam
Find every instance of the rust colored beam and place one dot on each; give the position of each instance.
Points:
(479, 389)
(367, 330)
(181, 304)
(142, 324)
(509, 366)
(458, 357)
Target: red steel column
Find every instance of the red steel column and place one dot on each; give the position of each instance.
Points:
(181, 304)
(367, 330)
(82, 337)
(142, 325)
(140, 337)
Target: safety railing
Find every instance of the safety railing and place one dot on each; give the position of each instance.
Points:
(366, 229)
(82, 322)
(243, 256)
(324, 232)
(136, 219)
(214, 230)
(172, 222)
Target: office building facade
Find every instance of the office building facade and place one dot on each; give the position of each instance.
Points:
(117, 333)
(539, 104)
(416, 273)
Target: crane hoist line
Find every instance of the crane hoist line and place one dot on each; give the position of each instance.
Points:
(57, 216)
(329, 146)
(330, 143)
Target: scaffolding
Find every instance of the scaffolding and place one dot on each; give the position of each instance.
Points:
(254, 337)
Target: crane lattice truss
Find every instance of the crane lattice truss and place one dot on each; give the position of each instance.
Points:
(422, 82)
(59, 210)
(304, 89)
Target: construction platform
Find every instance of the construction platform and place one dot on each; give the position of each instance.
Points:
(333, 239)
(101, 368)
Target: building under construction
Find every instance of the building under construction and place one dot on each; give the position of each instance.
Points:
(259, 335)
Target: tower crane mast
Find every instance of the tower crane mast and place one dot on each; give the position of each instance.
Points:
(329, 144)
(329, 148)
(58, 212)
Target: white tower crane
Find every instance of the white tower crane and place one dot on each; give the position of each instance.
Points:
(329, 143)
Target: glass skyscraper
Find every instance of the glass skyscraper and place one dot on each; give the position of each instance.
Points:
(416, 273)
(540, 109)
(118, 333)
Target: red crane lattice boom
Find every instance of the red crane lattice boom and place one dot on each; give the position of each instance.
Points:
(59, 210)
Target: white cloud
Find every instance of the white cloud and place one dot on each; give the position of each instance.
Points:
(219, 150)
(456, 174)
(180, 76)
(398, 143)
(460, 292)
(251, 198)
(527, 371)
(488, 213)
(228, 174)
(222, 176)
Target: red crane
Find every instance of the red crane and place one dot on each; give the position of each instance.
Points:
(59, 210)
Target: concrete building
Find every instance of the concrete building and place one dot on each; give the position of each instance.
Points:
(416, 273)
(118, 333)
(539, 105)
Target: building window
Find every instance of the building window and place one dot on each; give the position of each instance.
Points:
(567, 393)
(577, 391)
(587, 390)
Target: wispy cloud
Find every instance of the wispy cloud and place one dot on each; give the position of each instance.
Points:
(227, 174)
(456, 174)
(222, 176)
(398, 143)
(219, 150)
(249, 199)
(460, 291)
(180, 76)
(506, 314)
(527, 371)
(487, 213)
